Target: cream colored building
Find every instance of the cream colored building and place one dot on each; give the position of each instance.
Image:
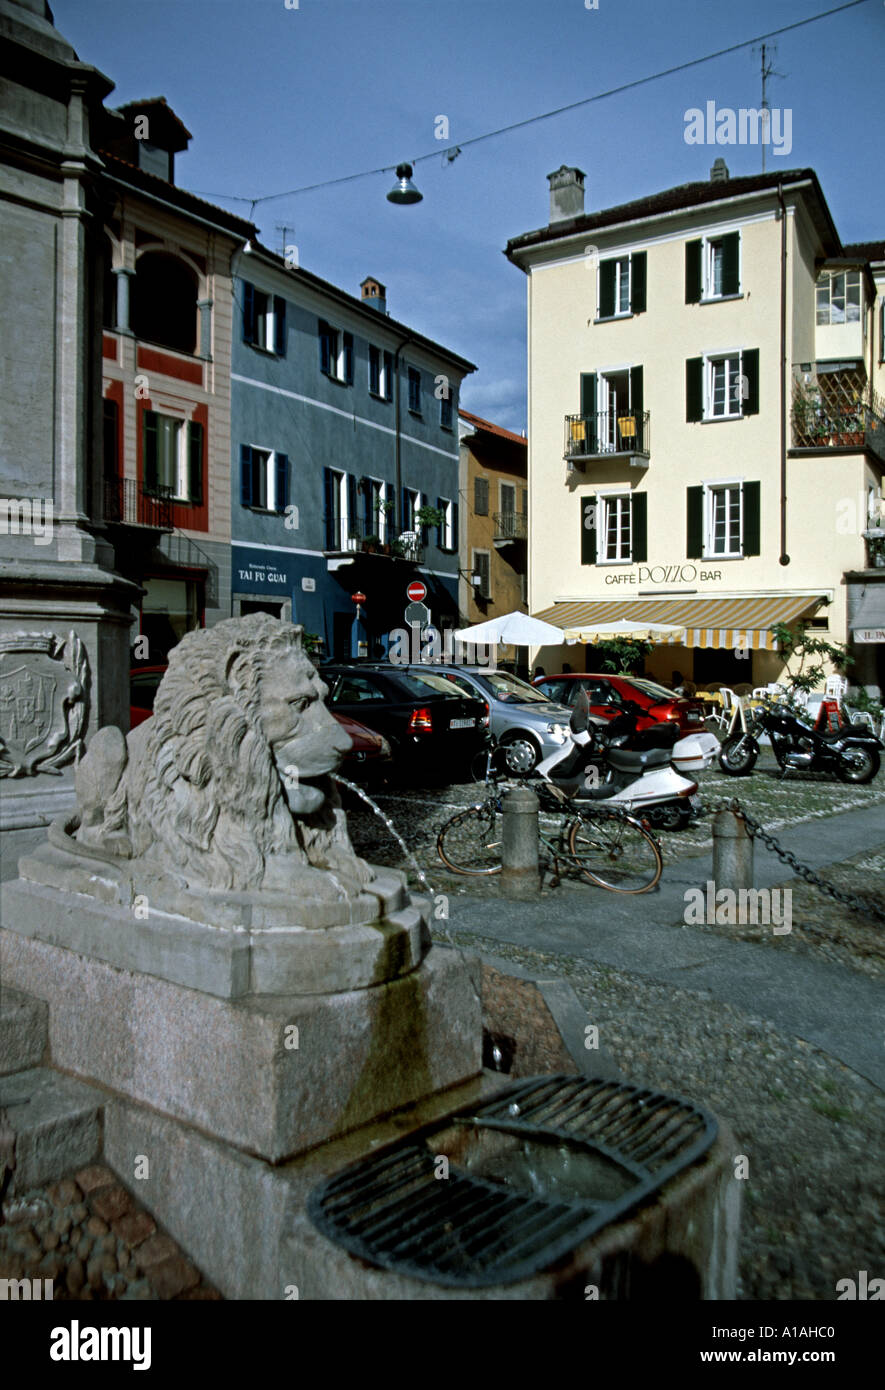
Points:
(706, 437)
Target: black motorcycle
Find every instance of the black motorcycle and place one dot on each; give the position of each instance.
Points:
(851, 752)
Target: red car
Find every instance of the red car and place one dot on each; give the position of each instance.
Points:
(370, 755)
(606, 694)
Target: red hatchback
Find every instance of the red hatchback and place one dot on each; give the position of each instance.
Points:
(607, 693)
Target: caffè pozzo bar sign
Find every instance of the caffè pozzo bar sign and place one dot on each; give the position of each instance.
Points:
(665, 575)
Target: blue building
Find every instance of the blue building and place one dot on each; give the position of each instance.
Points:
(343, 428)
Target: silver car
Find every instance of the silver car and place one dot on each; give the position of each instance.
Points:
(522, 719)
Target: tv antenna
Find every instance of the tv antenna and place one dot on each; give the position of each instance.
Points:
(768, 52)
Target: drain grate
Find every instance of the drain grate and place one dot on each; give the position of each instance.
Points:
(528, 1175)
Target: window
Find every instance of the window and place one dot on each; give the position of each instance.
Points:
(723, 520)
(411, 505)
(376, 508)
(481, 496)
(111, 437)
(414, 391)
(340, 508)
(481, 566)
(264, 479)
(164, 302)
(336, 353)
(445, 412)
(173, 457)
(264, 320)
(722, 386)
(507, 492)
(446, 536)
(357, 690)
(622, 285)
(838, 297)
(712, 268)
(614, 528)
(381, 373)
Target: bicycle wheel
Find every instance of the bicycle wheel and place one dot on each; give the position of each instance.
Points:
(614, 851)
(471, 842)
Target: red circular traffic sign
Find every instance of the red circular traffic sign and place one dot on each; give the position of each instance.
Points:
(416, 591)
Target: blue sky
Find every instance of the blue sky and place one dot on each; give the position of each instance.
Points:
(277, 98)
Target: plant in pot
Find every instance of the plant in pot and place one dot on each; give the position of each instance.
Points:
(371, 544)
(428, 516)
(383, 509)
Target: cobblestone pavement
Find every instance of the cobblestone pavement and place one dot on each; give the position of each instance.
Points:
(90, 1236)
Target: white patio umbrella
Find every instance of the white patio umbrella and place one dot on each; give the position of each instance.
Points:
(513, 630)
(622, 628)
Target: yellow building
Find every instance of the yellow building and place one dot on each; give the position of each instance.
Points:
(493, 485)
(706, 436)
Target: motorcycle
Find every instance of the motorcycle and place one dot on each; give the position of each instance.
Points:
(593, 765)
(852, 752)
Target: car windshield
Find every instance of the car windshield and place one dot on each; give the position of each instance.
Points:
(511, 689)
(436, 682)
(660, 692)
(422, 685)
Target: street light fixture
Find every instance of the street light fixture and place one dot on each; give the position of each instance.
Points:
(404, 191)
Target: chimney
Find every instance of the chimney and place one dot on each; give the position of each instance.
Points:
(719, 173)
(566, 193)
(374, 293)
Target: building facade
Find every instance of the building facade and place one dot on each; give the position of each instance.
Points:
(343, 434)
(494, 487)
(706, 438)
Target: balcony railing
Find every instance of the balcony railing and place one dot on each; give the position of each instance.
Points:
(836, 410)
(510, 526)
(607, 434)
(127, 504)
(359, 538)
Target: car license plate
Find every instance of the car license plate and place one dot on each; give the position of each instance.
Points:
(695, 803)
(694, 717)
(462, 724)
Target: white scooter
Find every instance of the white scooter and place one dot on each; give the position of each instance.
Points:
(644, 782)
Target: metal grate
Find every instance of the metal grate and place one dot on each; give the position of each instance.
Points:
(530, 1174)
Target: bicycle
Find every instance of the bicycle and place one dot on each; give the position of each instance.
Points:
(604, 845)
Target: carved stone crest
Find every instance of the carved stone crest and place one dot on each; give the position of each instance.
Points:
(44, 681)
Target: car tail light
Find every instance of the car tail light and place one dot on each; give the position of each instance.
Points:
(420, 721)
(484, 722)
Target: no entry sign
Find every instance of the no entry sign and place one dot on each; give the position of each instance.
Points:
(416, 591)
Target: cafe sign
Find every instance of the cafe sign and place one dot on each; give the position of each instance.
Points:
(665, 574)
(867, 635)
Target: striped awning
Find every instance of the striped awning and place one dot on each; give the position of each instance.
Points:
(719, 623)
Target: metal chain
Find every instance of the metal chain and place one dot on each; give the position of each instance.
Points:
(855, 901)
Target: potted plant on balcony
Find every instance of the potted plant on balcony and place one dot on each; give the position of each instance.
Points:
(353, 537)
(429, 516)
(371, 544)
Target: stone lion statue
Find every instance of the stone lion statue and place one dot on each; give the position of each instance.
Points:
(229, 785)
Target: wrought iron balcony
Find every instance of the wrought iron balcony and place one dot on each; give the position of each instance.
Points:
(608, 435)
(358, 537)
(509, 526)
(126, 503)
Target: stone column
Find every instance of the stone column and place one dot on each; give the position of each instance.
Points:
(205, 308)
(123, 273)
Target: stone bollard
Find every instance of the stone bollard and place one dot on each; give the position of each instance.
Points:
(732, 852)
(519, 876)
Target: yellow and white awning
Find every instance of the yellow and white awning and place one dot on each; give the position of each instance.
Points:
(719, 623)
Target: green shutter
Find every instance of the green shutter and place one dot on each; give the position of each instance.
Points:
(751, 537)
(694, 528)
(750, 370)
(150, 451)
(588, 531)
(694, 389)
(639, 525)
(637, 282)
(731, 250)
(606, 289)
(693, 272)
(636, 394)
(195, 463)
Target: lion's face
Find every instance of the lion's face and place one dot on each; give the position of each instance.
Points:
(306, 742)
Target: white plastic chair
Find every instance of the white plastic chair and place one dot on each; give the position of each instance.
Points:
(836, 688)
(723, 714)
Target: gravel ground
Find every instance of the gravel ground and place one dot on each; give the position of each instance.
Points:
(95, 1242)
(811, 1129)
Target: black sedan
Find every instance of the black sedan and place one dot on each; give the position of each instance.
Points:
(432, 729)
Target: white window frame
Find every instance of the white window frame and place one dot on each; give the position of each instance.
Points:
(708, 249)
(382, 394)
(448, 526)
(270, 325)
(710, 490)
(827, 278)
(182, 471)
(623, 275)
(415, 503)
(380, 519)
(603, 503)
(733, 399)
(270, 479)
(478, 593)
(343, 541)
